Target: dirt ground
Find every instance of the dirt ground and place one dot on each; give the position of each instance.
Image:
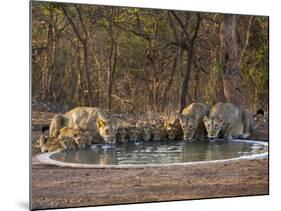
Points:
(55, 187)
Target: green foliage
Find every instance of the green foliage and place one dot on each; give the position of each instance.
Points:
(255, 70)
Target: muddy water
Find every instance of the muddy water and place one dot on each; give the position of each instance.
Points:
(160, 152)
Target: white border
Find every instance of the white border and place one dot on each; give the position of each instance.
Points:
(45, 159)
(15, 103)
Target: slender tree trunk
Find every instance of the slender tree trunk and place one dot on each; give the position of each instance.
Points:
(231, 72)
(243, 52)
(52, 63)
(190, 42)
(196, 86)
(84, 42)
(79, 87)
(48, 63)
(87, 74)
(112, 70)
(99, 83)
(219, 59)
(169, 84)
(185, 82)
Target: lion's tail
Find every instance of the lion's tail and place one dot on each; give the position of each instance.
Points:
(56, 125)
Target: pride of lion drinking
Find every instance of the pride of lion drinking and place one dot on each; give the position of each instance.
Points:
(83, 126)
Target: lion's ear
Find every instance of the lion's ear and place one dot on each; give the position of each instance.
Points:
(205, 119)
(59, 137)
(181, 117)
(100, 123)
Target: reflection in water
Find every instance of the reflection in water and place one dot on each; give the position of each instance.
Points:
(159, 152)
(195, 151)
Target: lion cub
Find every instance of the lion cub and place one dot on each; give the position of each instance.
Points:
(146, 132)
(48, 144)
(159, 132)
(191, 120)
(67, 142)
(134, 133)
(71, 138)
(173, 128)
(122, 135)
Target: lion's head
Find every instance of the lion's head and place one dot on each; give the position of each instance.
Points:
(147, 132)
(189, 126)
(173, 129)
(122, 134)
(159, 132)
(66, 142)
(83, 141)
(134, 133)
(107, 130)
(213, 126)
(40, 143)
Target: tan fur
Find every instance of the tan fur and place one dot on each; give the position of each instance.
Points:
(146, 132)
(71, 133)
(81, 139)
(134, 133)
(123, 129)
(85, 141)
(159, 132)
(93, 137)
(48, 144)
(225, 118)
(251, 123)
(173, 128)
(85, 119)
(122, 135)
(191, 120)
(67, 142)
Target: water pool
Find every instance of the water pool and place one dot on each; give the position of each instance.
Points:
(158, 153)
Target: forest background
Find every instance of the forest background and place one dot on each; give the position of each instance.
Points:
(135, 60)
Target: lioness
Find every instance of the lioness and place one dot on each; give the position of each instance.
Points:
(85, 119)
(251, 122)
(191, 120)
(224, 118)
(173, 128)
(48, 144)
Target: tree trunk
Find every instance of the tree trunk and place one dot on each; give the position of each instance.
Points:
(87, 74)
(196, 86)
(79, 87)
(84, 42)
(170, 81)
(185, 82)
(219, 59)
(111, 72)
(190, 42)
(231, 72)
(49, 60)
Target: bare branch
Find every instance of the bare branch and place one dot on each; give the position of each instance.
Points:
(182, 25)
(75, 29)
(81, 20)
